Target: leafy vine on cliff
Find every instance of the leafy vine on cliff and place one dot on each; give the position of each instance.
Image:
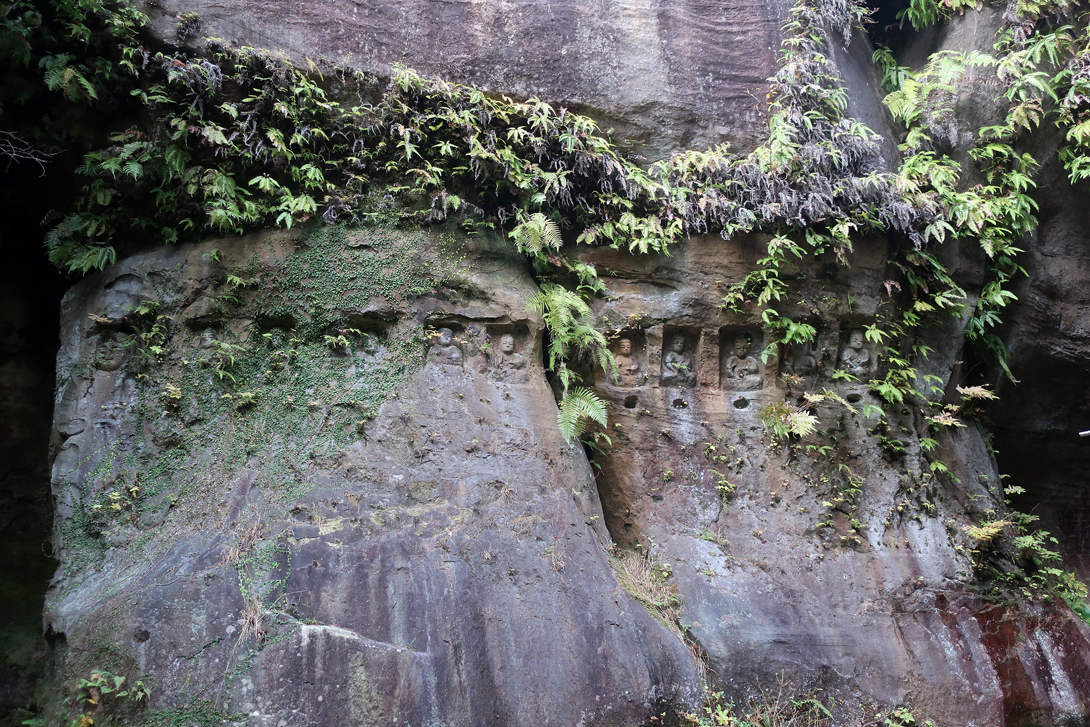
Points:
(238, 139)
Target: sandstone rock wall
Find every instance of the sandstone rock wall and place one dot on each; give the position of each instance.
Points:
(390, 527)
(839, 561)
(295, 499)
(326, 533)
(666, 76)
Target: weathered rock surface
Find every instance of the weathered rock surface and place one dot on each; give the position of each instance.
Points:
(673, 75)
(1038, 420)
(837, 561)
(301, 511)
(275, 539)
(279, 539)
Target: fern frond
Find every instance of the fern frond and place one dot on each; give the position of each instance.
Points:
(537, 233)
(578, 405)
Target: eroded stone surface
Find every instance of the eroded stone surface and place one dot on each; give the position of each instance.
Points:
(267, 537)
(442, 557)
(668, 75)
(836, 562)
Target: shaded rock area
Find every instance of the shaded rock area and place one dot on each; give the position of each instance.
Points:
(339, 496)
(1037, 421)
(30, 293)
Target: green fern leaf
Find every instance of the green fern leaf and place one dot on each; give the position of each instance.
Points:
(579, 405)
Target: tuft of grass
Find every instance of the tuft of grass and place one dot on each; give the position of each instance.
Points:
(649, 582)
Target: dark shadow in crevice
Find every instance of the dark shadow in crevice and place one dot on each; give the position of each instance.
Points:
(30, 294)
(885, 29)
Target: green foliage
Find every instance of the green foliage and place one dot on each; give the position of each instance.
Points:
(893, 75)
(536, 234)
(197, 714)
(572, 337)
(651, 583)
(103, 690)
(238, 139)
(781, 421)
(102, 683)
(578, 405)
(921, 14)
(783, 707)
(1015, 555)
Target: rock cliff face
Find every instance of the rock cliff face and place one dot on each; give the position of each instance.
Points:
(841, 564)
(667, 76)
(307, 511)
(406, 539)
(316, 478)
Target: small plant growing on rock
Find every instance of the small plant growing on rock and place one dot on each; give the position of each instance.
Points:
(101, 688)
(649, 582)
(224, 357)
(171, 395)
(782, 420)
(189, 24)
(340, 340)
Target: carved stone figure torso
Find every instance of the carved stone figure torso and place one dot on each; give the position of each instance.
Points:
(855, 359)
(743, 371)
(628, 364)
(509, 364)
(445, 350)
(677, 364)
(800, 360)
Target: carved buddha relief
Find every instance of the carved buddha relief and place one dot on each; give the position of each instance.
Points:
(507, 363)
(855, 358)
(678, 367)
(742, 371)
(629, 368)
(800, 359)
(503, 353)
(445, 349)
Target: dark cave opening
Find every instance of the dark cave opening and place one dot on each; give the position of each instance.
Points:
(884, 27)
(30, 294)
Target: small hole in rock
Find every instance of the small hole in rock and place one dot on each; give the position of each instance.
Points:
(741, 402)
(630, 402)
(854, 398)
(680, 403)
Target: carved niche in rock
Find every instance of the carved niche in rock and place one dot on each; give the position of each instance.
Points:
(855, 357)
(678, 362)
(800, 359)
(445, 349)
(740, 369)
(507, 359)
(628, 352)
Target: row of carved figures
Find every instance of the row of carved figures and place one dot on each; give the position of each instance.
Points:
(741, 369)
(503, 362)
